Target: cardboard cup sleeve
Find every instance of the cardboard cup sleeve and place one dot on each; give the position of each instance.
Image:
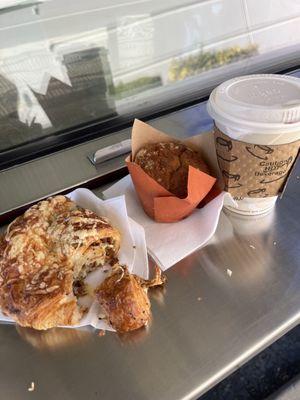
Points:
(253, 170)
(158, 203)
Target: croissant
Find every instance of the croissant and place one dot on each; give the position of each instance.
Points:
(124, 299)
(43, 255)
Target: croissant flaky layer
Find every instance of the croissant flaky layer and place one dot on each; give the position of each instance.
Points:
(43, 253)
(124, 300)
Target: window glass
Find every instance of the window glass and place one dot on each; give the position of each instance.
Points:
(66, 63)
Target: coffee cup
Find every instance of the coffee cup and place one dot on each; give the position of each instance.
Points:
(257, 136)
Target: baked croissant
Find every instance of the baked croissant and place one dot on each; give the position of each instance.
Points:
(124, 299)
(44, 253)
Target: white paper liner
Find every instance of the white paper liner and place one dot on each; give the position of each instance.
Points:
(133, 251)
(168, 243)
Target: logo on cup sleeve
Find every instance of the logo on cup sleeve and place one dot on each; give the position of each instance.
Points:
(259, 151)
(284, 166)
(233, 158)
(224, 142)
(261, 192)
(227, 146)
(232, 180)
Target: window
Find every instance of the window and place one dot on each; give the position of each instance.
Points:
(67, 64)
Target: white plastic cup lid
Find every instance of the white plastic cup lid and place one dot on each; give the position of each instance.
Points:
(261, 102)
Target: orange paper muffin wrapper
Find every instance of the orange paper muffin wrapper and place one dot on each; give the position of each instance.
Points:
(158, 203)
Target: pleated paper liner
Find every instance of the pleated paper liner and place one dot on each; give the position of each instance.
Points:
(159, 203)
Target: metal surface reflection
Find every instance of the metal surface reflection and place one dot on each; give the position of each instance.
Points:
(55, 339)
(136, 337)
(208, 323)
(204, 325)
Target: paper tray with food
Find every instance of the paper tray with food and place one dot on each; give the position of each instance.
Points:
(180, 208)
(69, 260)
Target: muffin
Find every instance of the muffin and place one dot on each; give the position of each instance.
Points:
(168, 164)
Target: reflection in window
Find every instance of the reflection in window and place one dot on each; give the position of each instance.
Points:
(185, 67)
(65, 64)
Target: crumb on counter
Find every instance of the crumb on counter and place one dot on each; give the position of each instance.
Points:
(251, 246)
(199, 298)
(31, 388)
(274, 243)
(229, 272)
(101, 332)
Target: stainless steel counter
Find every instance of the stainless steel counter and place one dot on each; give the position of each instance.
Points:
(205, 324)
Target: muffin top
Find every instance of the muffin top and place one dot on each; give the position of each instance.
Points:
(168, 164)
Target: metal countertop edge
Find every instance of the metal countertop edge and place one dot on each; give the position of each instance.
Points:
(25, 184)
(248, 355)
